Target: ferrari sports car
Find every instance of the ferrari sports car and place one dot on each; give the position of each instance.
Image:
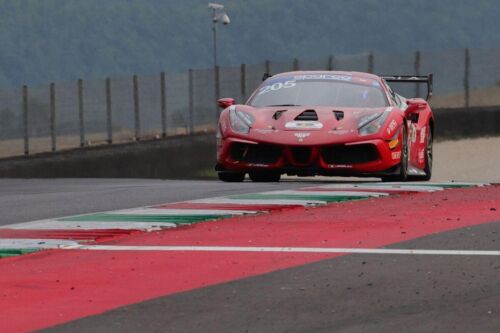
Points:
(326, 123)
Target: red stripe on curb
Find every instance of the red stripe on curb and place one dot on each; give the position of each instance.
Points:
(47, 288)
(373, 222)
(93, 235)
(225, 206)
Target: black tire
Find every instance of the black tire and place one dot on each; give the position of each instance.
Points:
(264, 176)
(231, 177)
(428, 158)
(402, 174)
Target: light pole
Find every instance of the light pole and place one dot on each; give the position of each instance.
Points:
(218, 15)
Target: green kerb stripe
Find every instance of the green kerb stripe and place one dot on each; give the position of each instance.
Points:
(4, 253)
(178, 219)
(305, 197)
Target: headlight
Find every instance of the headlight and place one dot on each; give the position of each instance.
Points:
(372, 123)
(241, 122)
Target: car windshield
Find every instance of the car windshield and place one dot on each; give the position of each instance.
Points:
(320, 90)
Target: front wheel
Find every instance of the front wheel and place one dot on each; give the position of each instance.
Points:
(402, 174)
(264, 176)
(231, 177)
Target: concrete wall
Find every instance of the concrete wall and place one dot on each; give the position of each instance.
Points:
(194, 156)
(467, 123)
(179, 157)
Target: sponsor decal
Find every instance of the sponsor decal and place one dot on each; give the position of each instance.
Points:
(421, 156)
(413, 133)
(339, 131)
(396, 155)
(258, 165)
(276, 86)
(323, 77)
(340, 166)
(264, 131)
(305, 125)
(422, 134)
(301, 136)
(392, 126)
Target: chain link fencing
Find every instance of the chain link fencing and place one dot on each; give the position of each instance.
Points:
(85, 113)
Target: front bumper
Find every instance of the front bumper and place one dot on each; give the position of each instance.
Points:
(371, 157)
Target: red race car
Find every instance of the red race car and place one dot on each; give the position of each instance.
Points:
(326, 123)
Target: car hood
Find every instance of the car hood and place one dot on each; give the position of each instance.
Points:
(303, 118)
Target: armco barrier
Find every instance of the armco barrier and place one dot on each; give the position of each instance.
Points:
(192, 156)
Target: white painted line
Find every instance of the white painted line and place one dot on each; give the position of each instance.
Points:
(329, 194)
(24, 243)
(224, 200)
(65, 225)
(168, 211)
(282, 249)
(435, 183)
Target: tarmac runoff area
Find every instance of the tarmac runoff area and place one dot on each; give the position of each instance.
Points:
(296, 256)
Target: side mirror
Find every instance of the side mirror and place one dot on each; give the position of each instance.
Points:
(225, 102)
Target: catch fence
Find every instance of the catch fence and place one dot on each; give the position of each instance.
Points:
(58, 116)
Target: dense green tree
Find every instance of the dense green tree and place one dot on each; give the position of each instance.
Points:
(54, 40)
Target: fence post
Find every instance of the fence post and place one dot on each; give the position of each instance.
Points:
(163, 105)
(53, 116)
(191, 102)
(466, 78)
(25, 120)
(109, 124)
(81, 122)
(217, 94)
(417, 72)
(268, 67)
(243, 82)
(295, 64)
(331, 60)
(137, 120)
(370, 63)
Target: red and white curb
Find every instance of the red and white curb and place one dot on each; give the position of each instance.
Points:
(82, 230)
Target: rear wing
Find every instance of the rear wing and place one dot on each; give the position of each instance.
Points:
(428, 79)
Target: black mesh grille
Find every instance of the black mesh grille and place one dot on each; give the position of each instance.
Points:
(341, 154)
(301, 154)
(307, 115)
(264, 154)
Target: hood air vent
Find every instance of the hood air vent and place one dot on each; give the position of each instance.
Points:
(278, 114)
(310, 115)
(339, 115)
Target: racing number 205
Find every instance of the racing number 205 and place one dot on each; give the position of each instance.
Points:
(276, 86)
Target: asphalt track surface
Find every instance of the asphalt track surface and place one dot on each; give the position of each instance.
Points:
(23, 200)
(355, 293)
(348, 293)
